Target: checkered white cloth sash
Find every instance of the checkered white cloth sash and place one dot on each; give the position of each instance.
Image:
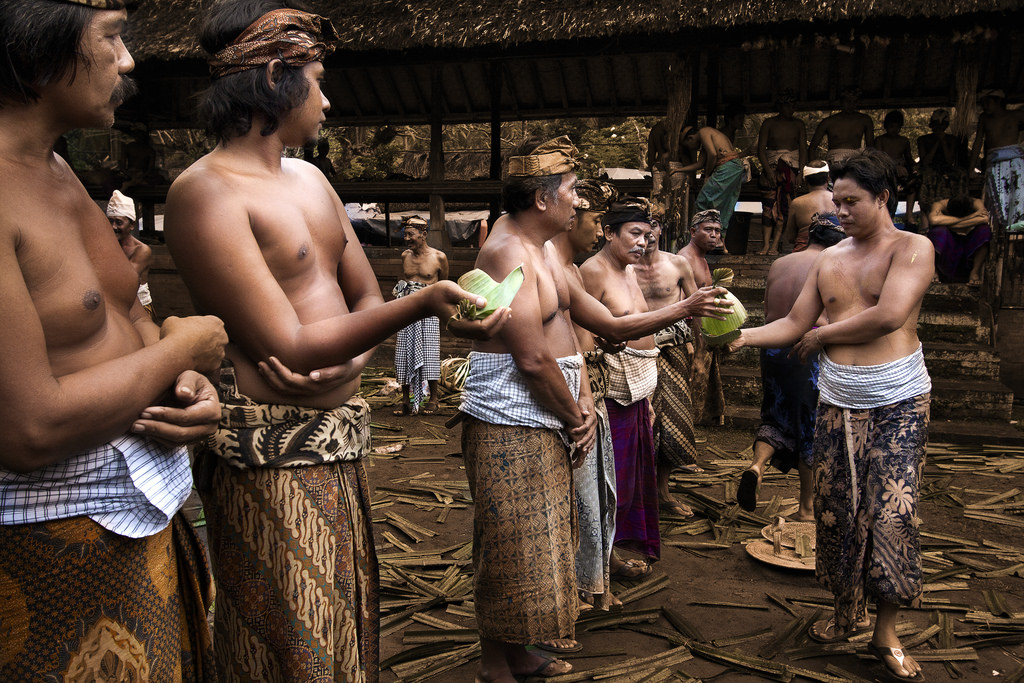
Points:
(496, 392)
(632, 375)
(871, 386)
(132, 486)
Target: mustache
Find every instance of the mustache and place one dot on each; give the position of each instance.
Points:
(125, 89)
(637, 250)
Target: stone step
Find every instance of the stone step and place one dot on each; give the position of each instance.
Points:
(946, 360)
(977, 431)
(954, 399)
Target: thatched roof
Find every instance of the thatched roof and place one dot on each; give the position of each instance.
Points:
(166, 29)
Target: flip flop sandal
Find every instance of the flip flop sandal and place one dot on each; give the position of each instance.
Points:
(559, 649)
(746, 494)
(539, 671)
(896, 653)
(824, 631)
(639, 567)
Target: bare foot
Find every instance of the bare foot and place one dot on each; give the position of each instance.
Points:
(801, 517)
(560, 645)
(534, 664)
(763, 251)
(606, 601)
(673, 508)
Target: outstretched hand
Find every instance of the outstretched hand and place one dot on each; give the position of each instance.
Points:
(194, 415)
(480, 330)
(736, 344)
(286, 381)
(708, 302)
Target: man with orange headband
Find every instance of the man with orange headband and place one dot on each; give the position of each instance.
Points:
(102, 577)
(264, 241)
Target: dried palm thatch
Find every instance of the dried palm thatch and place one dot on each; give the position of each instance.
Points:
(166, 29)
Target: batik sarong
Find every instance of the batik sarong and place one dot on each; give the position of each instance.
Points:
(524, 540)
(706, 389)
(836, 156)
(417, 350)
(722, 190)
(954, 250)
(672, 403)
(867, 475)
(287, 505)
(81, 603)
(1004, 187)
(636, 483)
(788, 407)
(594, 484)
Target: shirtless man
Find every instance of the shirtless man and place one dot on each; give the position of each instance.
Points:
(723, 172)
(418, 346)
(898, 148)
(942, 164)
(595, 480)
(782, 150)
(998, 134)
(664, 279)
(121, 214)
(961, 233)
(97, 400)
(817, 200)
(525, 399)
(707, 392)
(264, 240)
(790, 386)
(874, 395)
(847, 131)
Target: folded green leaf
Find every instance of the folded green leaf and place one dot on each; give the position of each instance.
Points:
(733, 321)
(498, 295)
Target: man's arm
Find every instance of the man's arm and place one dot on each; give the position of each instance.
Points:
(802, 149)
(209, 234)
(869, 131)
(819, 133)
(785, 331)
(49, 417)
(707, 142)
(979, 142)
(141, 259)
(442, 271)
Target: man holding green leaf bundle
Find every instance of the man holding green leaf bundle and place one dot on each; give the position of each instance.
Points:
(874, 394)
(529, 420)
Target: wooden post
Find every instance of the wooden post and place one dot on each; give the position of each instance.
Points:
(496, 76)
(438, 235)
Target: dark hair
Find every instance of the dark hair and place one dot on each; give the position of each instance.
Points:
(895, 116)
(873, 170)
(42, 43)
(230, 102)
(960, 206)
(817, 179)
(822, 231)
(518, 192)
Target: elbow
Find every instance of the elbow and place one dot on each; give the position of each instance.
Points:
(532, 366)
(27, 447)
(890, 324)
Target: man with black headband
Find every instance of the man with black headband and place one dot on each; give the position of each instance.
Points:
(263, 240)
(790, 385)
(102, 576)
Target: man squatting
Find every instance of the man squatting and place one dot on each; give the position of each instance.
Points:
(874, 392)
(264, 241)
(98, 568)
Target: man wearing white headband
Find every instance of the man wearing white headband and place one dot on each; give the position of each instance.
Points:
(121, 214)
(803, 208)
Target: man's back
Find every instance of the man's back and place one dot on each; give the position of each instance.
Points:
(785, 280)
(847, 130)
(1002, 127)
(803, 208)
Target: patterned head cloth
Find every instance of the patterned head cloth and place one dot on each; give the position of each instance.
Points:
(825, 229)
(706, 216)
(554, 157)
(296, 38)
(105, 4)
(416, 222)
(628, 210)
(121, 206)
(595, 195)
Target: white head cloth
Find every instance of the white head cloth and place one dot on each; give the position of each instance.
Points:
(814, 170)
(121, 206)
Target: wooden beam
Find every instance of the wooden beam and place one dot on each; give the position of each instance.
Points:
(396, 90)
(460, 76)
(495, 83)
(890, 56)
(920, 59)
(372, 87)
(638, 99)
(538, 84)
(511, 82)
(612, 89)
(438, 236)
(353, 95)
(585, 68)
(805, 55)
(561, 85)
(421, 98)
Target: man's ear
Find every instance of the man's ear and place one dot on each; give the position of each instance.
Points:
(273, 72)
(884, 196)
(540, 199)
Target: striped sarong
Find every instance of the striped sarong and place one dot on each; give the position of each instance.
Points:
(867, 478)
(287, 504)
(81, 603)
(524, 532)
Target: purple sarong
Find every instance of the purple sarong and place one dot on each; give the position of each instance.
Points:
(636, 483)
(954, 251)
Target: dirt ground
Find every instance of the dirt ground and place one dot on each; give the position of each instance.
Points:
(701, 574)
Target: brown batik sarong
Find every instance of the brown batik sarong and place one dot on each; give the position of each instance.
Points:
(867, 476)
(81, 603)
(673, 405)
(287, 503)
(524, 540)
(706, 390)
